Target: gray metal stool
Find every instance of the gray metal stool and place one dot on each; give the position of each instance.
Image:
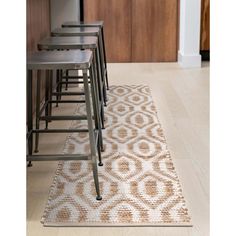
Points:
(99, 24)
(58, 60)
(86, 31)
(68, 43)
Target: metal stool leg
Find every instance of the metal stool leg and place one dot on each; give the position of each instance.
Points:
(60, 87)
(47, 88)
(102, 86)
(101, 57)
(29, 164)
(57, 85)
(50, 91)
(37, 109)
(29, 114)
(67, 80)
(99, 102)
(105, 58)
(97, 74)
(96, 109)
(91, 134)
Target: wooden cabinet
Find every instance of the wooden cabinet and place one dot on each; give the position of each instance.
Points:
(154, 30)
(38, 27)
(137, 30)
(205, 25)
(117, 26)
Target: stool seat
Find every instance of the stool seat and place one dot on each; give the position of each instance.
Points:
(74, 28)
(77, 42)
(82, 42)
(77, 31)
(83, 24)
(50, 60)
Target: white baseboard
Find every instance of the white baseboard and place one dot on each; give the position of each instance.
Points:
(189, 61)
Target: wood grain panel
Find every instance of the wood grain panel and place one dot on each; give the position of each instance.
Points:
(38, 27)
(154, 30)
(178, 27)
(117, 26)
(205, 25)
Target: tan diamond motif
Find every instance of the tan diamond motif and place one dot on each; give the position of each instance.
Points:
(138, 181)
(122, 133)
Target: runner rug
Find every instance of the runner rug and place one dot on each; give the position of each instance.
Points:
(138, 182)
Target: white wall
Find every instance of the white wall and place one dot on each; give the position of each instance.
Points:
(189, 35)
(64, 10)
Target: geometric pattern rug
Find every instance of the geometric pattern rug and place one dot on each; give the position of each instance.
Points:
(138, 182)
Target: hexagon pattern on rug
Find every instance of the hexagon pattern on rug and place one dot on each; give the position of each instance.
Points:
(138, 181)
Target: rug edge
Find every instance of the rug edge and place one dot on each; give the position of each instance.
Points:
(45, 224)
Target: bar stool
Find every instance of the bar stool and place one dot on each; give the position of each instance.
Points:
(58, 60)
(99, 24)
(69, 43)
(85, 31)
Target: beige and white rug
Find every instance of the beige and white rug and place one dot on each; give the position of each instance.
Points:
(138, 182)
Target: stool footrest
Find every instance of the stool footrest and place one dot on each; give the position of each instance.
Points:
(71, 82)
(67, 93)
(72, 77)
(59, 130)
(67, 101)
(66, 157)
(48, 118)
(58, 157)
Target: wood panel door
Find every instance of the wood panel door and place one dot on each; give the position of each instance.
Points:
(117, 26)
(205, 25)
(38, 27)
(154, 30)
(137, 30)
